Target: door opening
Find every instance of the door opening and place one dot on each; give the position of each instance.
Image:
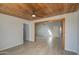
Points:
(51, 29)
(25, 32)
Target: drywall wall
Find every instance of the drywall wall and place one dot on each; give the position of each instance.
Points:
(32, 32)
(78, 32)
(71, 32)
(71, 29)
(11, 31)
(28, 32)
(43, 29)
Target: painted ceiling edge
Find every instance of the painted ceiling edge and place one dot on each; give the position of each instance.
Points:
(56, 17)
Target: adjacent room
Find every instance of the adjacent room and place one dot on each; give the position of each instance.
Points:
(39, 28)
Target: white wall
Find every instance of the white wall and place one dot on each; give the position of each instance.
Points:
(32, 32)
(78, 33)
(71, 32)
(43, 29)
(11, 31)
(29, 31)
(71, 29)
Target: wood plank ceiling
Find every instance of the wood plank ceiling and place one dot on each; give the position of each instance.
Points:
(25, 10)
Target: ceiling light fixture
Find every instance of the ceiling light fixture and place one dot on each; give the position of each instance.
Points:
(33, 15)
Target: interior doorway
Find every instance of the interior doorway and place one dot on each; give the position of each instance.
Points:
(26, 32)
(62, 31)
(54, 30)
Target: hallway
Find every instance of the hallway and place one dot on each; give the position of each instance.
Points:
(40, 47)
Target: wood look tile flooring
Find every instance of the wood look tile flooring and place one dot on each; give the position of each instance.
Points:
(40, 47)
